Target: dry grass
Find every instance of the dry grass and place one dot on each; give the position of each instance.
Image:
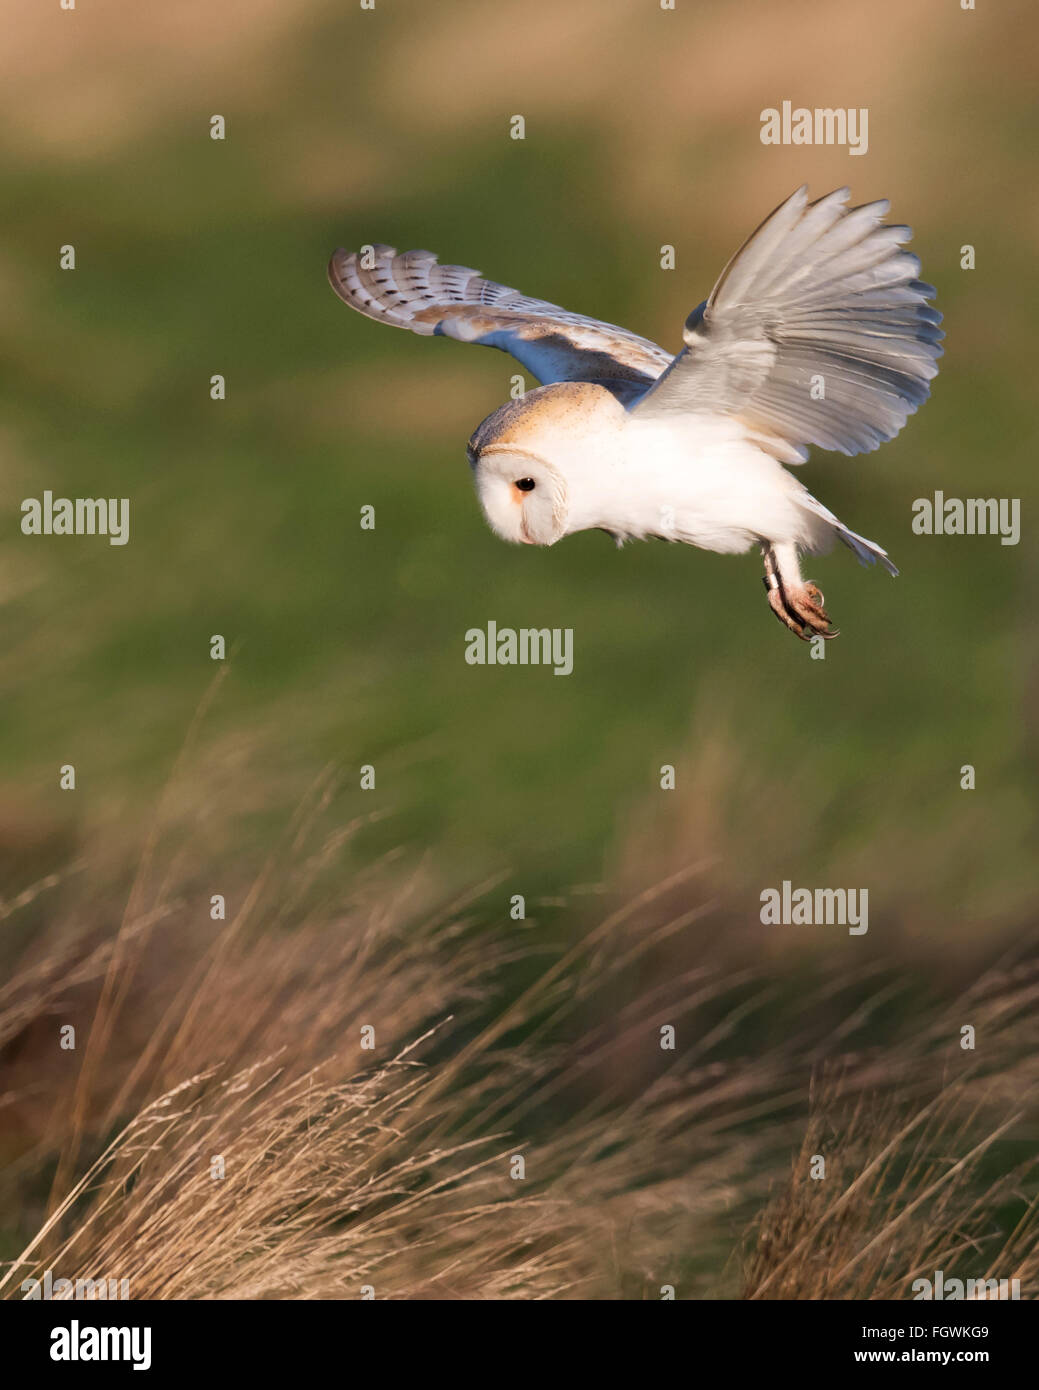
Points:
(234, 1047)
(899, 1198)
(326, 1186)
(341, 1170)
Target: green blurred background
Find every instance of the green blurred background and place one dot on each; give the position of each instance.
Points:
(197, 257)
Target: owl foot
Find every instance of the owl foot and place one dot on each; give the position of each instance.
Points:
(797, 606)
(801, 610)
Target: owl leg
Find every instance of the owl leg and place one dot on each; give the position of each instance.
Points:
(796, 602)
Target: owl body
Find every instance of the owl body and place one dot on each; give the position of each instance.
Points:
(697, 479)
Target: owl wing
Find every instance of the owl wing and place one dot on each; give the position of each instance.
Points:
(818, 332)
(413, 290)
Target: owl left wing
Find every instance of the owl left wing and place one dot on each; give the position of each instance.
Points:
(818, 332)
(412, 290)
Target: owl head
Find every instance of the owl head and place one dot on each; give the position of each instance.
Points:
(531, 457)
(523, 497)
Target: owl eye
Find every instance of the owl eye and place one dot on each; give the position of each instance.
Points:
(525, 484)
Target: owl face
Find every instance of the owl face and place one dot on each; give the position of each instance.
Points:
(523, 497)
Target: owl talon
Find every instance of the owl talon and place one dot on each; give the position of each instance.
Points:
(807, 603)
(798, 607)
(778, 605)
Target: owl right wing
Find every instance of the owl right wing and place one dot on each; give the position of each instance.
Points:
(412, 290)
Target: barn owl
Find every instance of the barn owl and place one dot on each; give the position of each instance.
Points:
(817, 332)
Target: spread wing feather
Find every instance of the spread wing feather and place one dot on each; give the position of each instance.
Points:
(413, 290)
(817, 332)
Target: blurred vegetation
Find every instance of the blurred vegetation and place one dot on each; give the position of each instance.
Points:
(196, 256)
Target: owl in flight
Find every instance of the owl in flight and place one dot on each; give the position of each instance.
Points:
(817, 332)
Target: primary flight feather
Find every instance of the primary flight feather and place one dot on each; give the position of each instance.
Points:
(818, 332)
